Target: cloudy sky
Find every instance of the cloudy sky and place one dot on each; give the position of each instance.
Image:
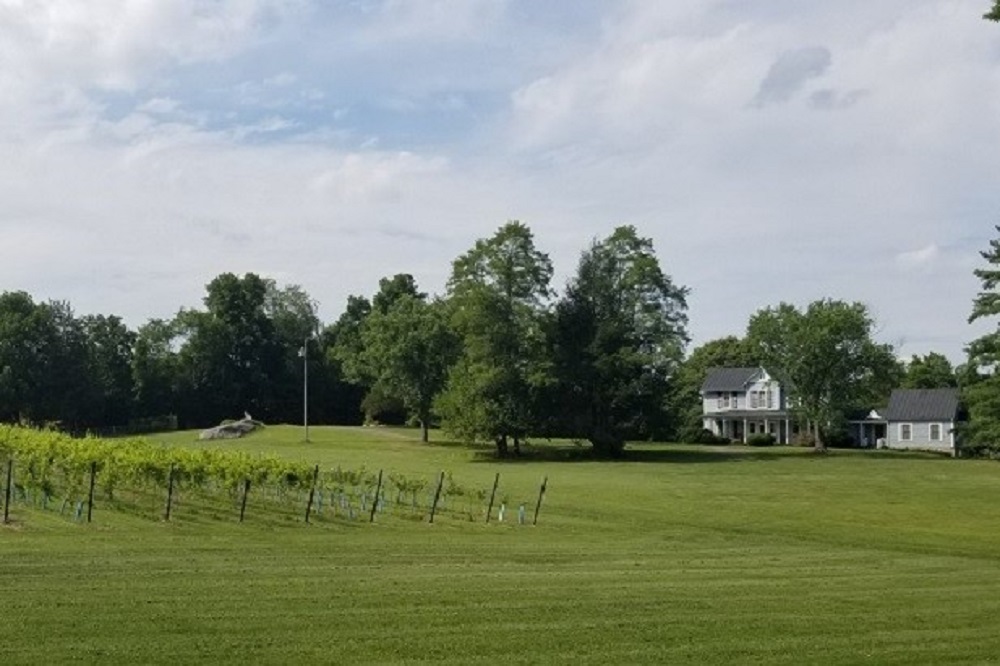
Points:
(778, 151)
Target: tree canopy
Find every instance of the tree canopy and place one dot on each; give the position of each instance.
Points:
(825, 354)
(930, 371)
(620, 335)
(498, 293)
(498, 357)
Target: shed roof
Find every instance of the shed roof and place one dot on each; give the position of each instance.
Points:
(728, 379)
(923, 405)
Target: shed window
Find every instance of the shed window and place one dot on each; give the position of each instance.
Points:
(935, 432)
(905, 432)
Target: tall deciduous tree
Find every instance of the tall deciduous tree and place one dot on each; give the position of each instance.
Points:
(156, 369)
(231, 357)
(379, 401)
(621, 332)
(498, 292)
(826, 356)
(110, 347)
(25, 328)
(409, 349)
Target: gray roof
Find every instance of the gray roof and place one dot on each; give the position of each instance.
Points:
(728, 379)
(923, 405)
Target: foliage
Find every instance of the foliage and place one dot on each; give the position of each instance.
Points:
(983, 396)
(761, 439)
(409, 348)
(993, 14)
(826, 357)
(931, 371)
(701, 436)
(497, 295)
(56, 367)
(349, 347)
(619, 336)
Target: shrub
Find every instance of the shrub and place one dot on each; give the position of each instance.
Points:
(839, 439)
(701, 436)
(762, 439)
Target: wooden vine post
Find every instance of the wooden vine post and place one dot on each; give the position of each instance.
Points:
(489, 510)
(378, 489)
(90, 495)
(312, 493)
(243, 503)
(6, 492)
(437, 496)
(541, 493)
(170, 494)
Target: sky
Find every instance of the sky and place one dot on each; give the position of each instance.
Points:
(774, 152)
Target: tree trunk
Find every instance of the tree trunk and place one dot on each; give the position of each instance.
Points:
(820, 446)
(606, 444)
(502, 446)
(423, 431)
(517, 446)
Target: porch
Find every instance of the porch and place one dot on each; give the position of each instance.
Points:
(739, 426)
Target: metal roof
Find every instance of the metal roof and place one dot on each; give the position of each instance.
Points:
(923, 405)
(728, 379)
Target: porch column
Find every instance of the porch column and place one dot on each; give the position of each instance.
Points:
(788, 431)
(767, 430)
(744, 430)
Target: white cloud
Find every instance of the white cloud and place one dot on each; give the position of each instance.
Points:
(149, 146)
(920, 259)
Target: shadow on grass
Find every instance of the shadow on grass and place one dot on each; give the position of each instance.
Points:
(664, 454)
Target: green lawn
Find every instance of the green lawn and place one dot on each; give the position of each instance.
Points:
(679, 554)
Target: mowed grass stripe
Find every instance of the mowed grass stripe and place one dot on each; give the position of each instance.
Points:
(687, 555)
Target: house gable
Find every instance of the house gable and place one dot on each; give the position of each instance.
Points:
(923, 419)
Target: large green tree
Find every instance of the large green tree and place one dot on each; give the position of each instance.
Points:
(993, 14)
(827, 357)
(26, 333)
(155, 369)
(409, 349)
(231, 359)
(110, 347)
(620, 335)
(498, 295)
(379, 402)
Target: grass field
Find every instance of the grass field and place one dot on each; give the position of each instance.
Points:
(679, 554)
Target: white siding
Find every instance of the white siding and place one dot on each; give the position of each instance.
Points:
(920, 437)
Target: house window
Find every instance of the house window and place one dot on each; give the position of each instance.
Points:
(723, 401)
(905, 432)
(935, 434)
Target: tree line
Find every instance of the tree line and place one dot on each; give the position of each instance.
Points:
(499, 356)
